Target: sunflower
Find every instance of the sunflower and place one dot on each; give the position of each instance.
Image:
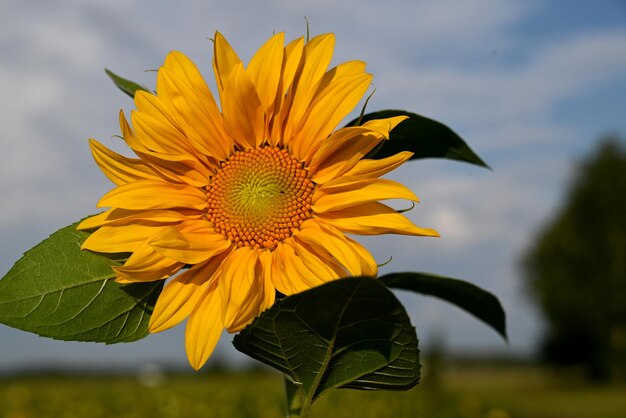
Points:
(236, 204)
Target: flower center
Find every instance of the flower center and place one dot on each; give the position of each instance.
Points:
(259, 197)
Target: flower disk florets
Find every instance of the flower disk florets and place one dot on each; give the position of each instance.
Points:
(259, 197)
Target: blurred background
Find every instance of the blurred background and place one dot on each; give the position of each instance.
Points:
(536, 88)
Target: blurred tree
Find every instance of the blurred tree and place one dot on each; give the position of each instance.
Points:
(577, 269)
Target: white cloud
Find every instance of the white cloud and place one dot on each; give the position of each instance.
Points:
(555, 73)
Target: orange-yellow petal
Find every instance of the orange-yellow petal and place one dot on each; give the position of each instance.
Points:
(118, 239)
(385, 126)
(265, 69)
(147, 217)
(373, 219)
(204, 327)
(146, 265)
(200, 121)
(241, 289)
(326, 111)
(179, 168)
(298, 273)
(342, 150)
(157, 127)
(152, 194)
(270, 269)
(367, 168)
(273, 260)
(189, 246)
(119, 169)
(224, 60)
(185, 70)
(358, 192)
(241, 107)
(291, 62)
(181, 294)
(318, 53)
(324, 238)
(326, 267)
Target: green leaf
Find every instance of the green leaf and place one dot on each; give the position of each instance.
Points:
(127, 86)
(58, 290)
(425, 137)
(351, 333)
(478, 302)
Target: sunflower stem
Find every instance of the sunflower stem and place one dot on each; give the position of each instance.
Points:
(295, 405)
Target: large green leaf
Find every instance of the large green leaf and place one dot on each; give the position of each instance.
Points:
(480, 303)
(127, 86)
(351, 332)
(58, 290)
(424, 137)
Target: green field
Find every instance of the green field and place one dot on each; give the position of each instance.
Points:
(462, 392)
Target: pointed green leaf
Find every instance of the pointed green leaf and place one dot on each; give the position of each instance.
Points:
(424, 137)
(59, 291)
(351, 332)
(127, 86)
(480, 303)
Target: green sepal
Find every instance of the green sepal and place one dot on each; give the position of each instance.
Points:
(59, 291)
(350, 333)
(127, 86)
(424, 137)
(478, 302)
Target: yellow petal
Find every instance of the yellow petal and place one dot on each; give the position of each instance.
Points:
(272, 260)
(241, 289)
(204, 328)
(119, 239)
(177, 300)
(166, 136)
(146, 265)
(318, 53)
(201, 122)
(128, 134)
(359, 192)
(326, 268)
(270, 270)
(385, 126)
(170, 165)
(95, 221)
(242, 110)
(324, 238)
(180, 296)
(291, 62)
(368, 263)
(224, 60)
(265, 69)
(298, 275)
(189, 246)
(367, 168)
(119, 169)
(147, 217)
(373, 219)
(184, 69)
(152, 194)
(179, 168)
(341, 151)
(328, 109)
(350, 68)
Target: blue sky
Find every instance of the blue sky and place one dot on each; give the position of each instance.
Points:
(530, 85)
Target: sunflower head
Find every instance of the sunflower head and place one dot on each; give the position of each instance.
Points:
(235, 202)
